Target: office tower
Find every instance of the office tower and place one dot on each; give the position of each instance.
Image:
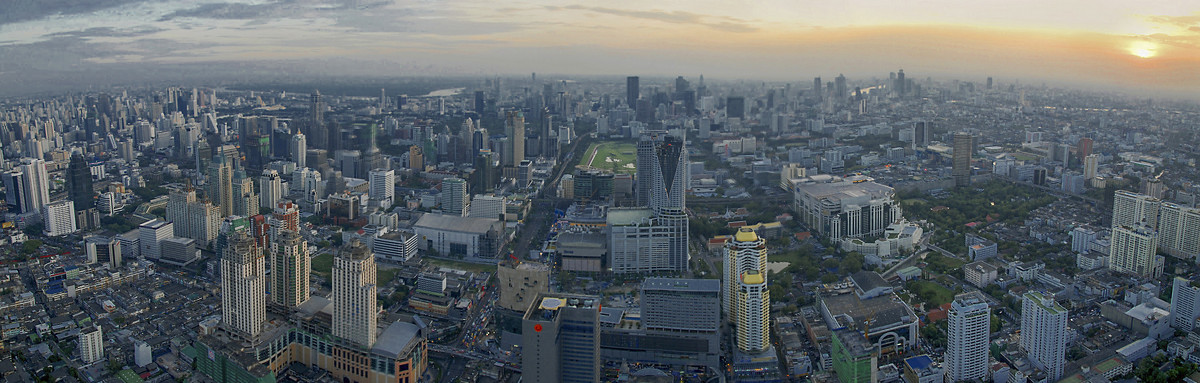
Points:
(382, 187)
(289, 269)
(245, 201)
(1133, 250)
(27, 186)
(1044, 333)
(270, 185)
(661, 171)
(243, 286)
(1179, 230)
(479, 102)
(989, 83)
(317, 109)
(962, 159)
(921, 134)
(1090, 164)
(104, 250)
(220, 184)
(753, 313)
(561, 339)
(307, 182)
(841, 91)
(1132, 209)
(372, 158)
(735, 107)
(968, 330)
(483, 179)
(79, 183)
(416, 158)
(674, 305)
(745, 252)
(632, 91)
(59, 218)
(454, 197)
(487, 206)
(354, 294)
(514, 148)
(299, 149)
(817, 89)
(383, 104)
(1085, 147)
(1185, 303)
(91, 344)
(901, 85)
(150, 234)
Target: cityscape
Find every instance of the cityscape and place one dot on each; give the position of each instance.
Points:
(839, 224)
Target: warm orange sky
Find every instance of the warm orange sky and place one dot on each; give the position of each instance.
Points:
(1145, 46)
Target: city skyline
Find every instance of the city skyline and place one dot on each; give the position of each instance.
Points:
(1144, 49)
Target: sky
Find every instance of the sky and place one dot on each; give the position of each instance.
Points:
(1130, 45)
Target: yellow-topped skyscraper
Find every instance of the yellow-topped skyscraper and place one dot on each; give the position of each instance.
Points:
(744, 252)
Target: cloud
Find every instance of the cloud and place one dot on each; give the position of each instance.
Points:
(727, 24)
(1183, 22)
(15, 11)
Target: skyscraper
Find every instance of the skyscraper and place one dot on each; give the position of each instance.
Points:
(245, 200)
(817, 89)
(661, 171)
(1185, 303)
(382, 187)
(243, 286)
(1090, 164)
(1085, 147)
(1178, 229)
(355, 309)
(962, 159)
(299, 149)
(969, 326)
(79, 183)
(289, 269)
(454, 197)
(191, 218)
(735, 107)
(59, 218)
(28, 186)
(150, 234)
(1134, 250)
(1044, 332)
(632, 91)
(1131, 209)
(479, 102)
(753, 312)
(514, 128)
(270, 186)
(220, 184)
(317, 109)
(561, 339)
(745, 252)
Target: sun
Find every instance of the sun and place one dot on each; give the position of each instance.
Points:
(1143, 49)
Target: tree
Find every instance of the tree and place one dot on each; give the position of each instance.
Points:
(31, 246)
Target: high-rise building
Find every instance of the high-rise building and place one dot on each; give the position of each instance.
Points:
(1154, 187)
(454, 197)
(963, 142)
(1085, 147)
(191, 218)
(653, 238)
(1132, 209)
(79, 183)
(561, 339)
(243, 286)
(27, 186)
(355, 309)
(855, 359)
(745, 252)
(416, 158)
(316, 109)
(632, 91)
(479, 102)
(299, 149)
(220, 184)
(270, 186)
(91, 344)
(104, 250)
(1044, 333)
(753, 313)
(968, 331)
(487, 206)
(245, 200)
(1090, 164)
(735, 107)
(59, 218)
(150, 234)
(290, 269)
(1134, 250)
(1179, 230)
(382, 187)
(661, 171)
(1185, 303)
(514, 148)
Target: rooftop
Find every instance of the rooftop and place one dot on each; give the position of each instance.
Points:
(396, 339)
(628, 216)
(1046, 303)
(456, 223)
(746, 234)
(868, 280)
(547, 305)
(680, 284)
(887, 310)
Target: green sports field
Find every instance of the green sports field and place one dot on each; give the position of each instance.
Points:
(618, 157)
